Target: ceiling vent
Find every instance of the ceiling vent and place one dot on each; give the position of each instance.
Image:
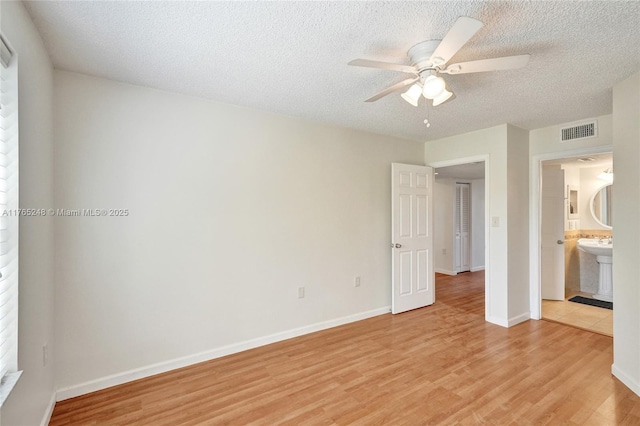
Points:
(579, 131)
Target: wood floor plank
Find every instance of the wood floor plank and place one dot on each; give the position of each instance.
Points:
(443, 364)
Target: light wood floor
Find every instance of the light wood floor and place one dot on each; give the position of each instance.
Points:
(591, 318)
(438, 365)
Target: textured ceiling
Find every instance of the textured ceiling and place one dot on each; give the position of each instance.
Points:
(291, 57)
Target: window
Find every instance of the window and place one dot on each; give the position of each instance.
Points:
(9, 215)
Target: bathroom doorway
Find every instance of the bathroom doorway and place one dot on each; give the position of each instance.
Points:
(574, 211)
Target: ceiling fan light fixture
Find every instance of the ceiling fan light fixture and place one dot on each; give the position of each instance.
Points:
(607, 175)
(413, 94)
(443, 97)
(433, 87)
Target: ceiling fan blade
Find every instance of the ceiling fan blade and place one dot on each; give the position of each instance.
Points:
(458, 35)
(482, 65)
(394, 88)
(383, 66)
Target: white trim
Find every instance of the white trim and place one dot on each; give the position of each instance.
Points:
(9, 381)
(445, 271)
(477, 268)
(47, 414)
(535, 305)
(626, 379)
(497, 321)
(511, 321)
(518, 319)
(487, 214)
(162, 367)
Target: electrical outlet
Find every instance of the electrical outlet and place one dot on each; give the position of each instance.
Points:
(300, 292)
(444, 251)
(356, 281)
(45, 355)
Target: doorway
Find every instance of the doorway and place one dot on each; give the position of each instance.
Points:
(460, 230)
(558, 264)
(568, 189)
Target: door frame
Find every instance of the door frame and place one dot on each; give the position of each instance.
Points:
(488, 295)
(535, 205)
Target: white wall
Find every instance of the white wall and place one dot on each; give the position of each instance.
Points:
(477, 224)
(31, 398)
(443, 195)
(231, 210)
(547, 140)
(626, 247)
(518, 220)
(493, 142)
(545, 144)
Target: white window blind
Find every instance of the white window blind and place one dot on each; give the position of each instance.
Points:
(8, 211)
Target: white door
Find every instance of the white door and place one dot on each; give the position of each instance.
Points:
(462, 221)
(412, 237)
(552, 234)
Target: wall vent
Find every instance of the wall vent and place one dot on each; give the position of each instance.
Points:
(579, 131)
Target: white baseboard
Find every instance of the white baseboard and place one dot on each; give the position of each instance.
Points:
(518, 319)
(163, 367)
(47, 414)
(497, 321)
(625, 379)
(447, 272)
(509, 322)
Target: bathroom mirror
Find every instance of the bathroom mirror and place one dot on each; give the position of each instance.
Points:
(602, 204)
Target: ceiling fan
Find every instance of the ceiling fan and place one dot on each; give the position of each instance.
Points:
(429, 58)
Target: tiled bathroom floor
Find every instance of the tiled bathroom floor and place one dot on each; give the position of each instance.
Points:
(586, 317)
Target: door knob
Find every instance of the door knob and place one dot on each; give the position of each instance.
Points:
(398, 245)
(560, 241)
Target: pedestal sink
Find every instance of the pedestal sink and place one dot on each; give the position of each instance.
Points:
(603, 250)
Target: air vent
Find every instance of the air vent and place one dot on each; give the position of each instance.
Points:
(580, 131)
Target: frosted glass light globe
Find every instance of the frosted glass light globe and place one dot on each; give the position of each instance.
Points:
(433, 86)
(413, 94)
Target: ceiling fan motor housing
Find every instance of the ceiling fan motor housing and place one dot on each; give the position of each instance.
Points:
(420, 55)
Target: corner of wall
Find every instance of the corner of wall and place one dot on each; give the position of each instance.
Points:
(626, 199)
(518, 223)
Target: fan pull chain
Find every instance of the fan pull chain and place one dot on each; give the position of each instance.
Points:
(426, 120)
